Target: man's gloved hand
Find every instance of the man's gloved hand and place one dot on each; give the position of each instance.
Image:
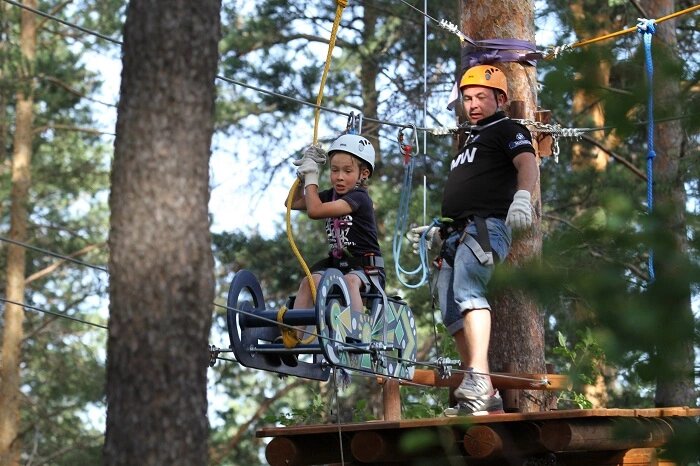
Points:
(520, 211)
(432, 238)
(309, 164)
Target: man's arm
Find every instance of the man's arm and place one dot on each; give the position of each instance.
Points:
(520, 210)
(528, 171)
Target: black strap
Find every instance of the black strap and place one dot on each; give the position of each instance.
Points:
(361, 262)
(479, 243)
(482, 234)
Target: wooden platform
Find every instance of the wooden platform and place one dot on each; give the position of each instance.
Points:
(562, 438)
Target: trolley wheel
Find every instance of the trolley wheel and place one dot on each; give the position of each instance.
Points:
(245, 299)
(332, 302)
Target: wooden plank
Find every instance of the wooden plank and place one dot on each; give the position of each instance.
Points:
(544, 141)
(632, 457)
(503, 440)
(603, 434)
(379, 447)
(465, 422)
(321, 449)
(501, 381)
(391, 395)
(570, 437)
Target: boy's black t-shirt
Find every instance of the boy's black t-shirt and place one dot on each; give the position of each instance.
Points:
(482, 178)
(358, 230)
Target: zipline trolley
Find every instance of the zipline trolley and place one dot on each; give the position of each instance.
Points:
(379, 341)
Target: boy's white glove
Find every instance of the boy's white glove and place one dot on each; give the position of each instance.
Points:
(308, 171)
(309, 164)
(432, 238)
(315, 153)
(520, 212)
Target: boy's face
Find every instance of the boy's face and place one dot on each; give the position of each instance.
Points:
(345, 172)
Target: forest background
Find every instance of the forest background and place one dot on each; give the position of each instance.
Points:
(604, 322)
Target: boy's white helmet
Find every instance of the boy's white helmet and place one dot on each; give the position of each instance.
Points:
(356, 145)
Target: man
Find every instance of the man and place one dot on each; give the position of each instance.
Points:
(487, 194)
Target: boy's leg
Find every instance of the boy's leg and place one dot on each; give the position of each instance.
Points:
(304, 299)
(356, 283)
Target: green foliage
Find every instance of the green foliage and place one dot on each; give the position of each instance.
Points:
(314, 413)
(583, 363)
(584, 359)
(63, 362)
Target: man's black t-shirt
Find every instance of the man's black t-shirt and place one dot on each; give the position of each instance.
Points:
(482, 178)
(358, 230)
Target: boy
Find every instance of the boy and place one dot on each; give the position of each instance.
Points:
(349, 213)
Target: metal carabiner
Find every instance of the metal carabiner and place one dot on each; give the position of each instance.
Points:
(406, 149)
(354, 125)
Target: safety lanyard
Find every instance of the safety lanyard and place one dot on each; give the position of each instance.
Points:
(337, 249)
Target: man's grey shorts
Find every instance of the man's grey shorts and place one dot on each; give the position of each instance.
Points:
(462, 288)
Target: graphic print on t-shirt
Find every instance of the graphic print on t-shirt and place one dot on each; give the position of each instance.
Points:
(466, 156)
(344, 224)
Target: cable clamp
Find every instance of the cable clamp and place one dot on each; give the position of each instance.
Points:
(213, 355)
(444, 367)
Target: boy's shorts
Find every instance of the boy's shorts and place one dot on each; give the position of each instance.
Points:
(462, 288)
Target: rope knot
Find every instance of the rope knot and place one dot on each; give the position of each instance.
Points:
(651, 154)
(646, 26)
(342, 3)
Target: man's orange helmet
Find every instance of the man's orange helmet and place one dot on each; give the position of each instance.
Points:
(486, 76)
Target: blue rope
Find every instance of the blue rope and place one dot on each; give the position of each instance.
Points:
(647, 28)
(401, 223)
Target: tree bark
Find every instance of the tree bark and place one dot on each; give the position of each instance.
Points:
(368, 77)
(161, 265)
(515, 317)
(13, 332)
(587, 106)
(368, 84)
(675, 359)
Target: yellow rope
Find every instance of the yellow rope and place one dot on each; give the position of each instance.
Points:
(632, 29)
(331, 43)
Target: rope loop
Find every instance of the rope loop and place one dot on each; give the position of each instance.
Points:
(646, 26)
(290, 339)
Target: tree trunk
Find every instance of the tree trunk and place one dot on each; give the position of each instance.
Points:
(161, 265)
(587, 107)
(368, 77)
(368, 82)
(515, 317)
(675, 358)
(4, 97)
(13, 333)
